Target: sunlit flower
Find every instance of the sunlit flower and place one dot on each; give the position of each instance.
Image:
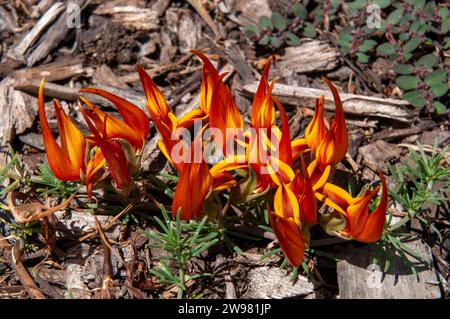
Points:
(360, 224)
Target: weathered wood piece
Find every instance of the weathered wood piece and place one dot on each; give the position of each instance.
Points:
(33, 35)
(17, 110)
(61, 69)
(376, 155)
(357, 280)
(352, 103)
(130, 16)
(71, 94)
(76, 223)
(245, 12)
(273, 283)
(57, 32)
(311, 56)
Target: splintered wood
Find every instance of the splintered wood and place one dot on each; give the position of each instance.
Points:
(358, 279)
(352, 103)
(130, 16)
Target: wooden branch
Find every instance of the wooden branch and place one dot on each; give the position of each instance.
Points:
(32, 36)
(17, 111)
(352, 103)
(311, 56)
(53, 36)
(23, 274)
(198, 6)
(131, 17)
(71, 94)
(61, 69)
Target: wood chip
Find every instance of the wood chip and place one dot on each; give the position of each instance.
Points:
(62, 69)
(273, 283)
(130, 16)
(357, 280)
(376, 155)
(311, 56)
(33, 35)
(353, 104)
(18, 111)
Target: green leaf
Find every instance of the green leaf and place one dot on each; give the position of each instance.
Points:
(412, 44)
(264, 40)
(446, 44)
(292, 39)
(309, 31)
(363, 58)
(356, 5)
(265, 23)
(382, 3)
(407, 82)
(386, 49)
(445, 26)
(299, 10)
(404, 36)
(443, 12)
(407, 55)
(439, 107)
(428, 61)
(435, 78)
(417, 4)
(275, 42)
(418, 26)
(439, 89)
(415, 98)
(279, 22)
(403, 68)
(251, 30)
(343, 42)
(430, 7)
(367, 45)
(395, 16)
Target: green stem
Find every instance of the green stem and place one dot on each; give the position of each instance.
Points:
(182, 283)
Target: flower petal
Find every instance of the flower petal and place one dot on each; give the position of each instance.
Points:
(116, 128)
(289, 237)
(131, 114)
(316, 131)
(66, 161)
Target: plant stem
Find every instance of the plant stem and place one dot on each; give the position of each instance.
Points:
(182, 284)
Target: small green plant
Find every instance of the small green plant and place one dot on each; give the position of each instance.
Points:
(414, 186)
(54, 185)
(278, 31)
(182, 242)
(407, 35)
(411, 34)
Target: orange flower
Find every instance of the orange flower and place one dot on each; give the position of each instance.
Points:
(216, 100)
(332, 145)
(194, 183)
(163, 117)
(209, 78)
(295, 208)
(111, 150)
(286, 228)
(135, 125)
(360, 224)
(263, 111)
(66, 161)
(303, 189)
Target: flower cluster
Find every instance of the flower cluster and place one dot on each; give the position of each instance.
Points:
(259, 161)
